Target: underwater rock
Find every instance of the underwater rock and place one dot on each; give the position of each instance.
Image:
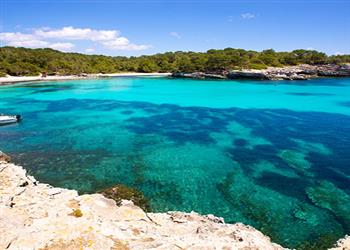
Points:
(328, 196)
(276, 214)
(121, 192)
(38, 216)
(295, 160)
(305, 213)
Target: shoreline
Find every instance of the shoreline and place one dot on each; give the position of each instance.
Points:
(8, 80)
(39, 216)
(35, 215)
(297, 72)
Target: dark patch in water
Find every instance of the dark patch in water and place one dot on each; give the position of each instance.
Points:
(308, 94)
(78, 161)
(240, 142)
(127, 112)
(345, 104)
(294, 187)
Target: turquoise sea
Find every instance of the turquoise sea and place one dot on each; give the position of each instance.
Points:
(274, 155)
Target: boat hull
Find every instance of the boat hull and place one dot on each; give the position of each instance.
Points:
(4, 120)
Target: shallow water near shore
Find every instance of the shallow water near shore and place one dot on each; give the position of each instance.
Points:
(274, 155)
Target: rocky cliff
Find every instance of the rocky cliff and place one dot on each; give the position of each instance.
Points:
(299, 72)
(34, 215)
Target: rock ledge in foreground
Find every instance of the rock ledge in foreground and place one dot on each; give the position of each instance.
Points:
(37, 216)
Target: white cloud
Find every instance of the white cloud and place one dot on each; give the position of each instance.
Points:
(43, 37)
(248, 16)
(122, 43)
(29, 43)
(71, 33)
(22, 40)
(310, 48)
(175, 34)
(62, 46)
(108, 38)
(9, 37)
(90, 50)
(338, 53)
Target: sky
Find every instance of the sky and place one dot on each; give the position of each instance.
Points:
(135, 27)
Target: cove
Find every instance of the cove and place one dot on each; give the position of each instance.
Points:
(274, 155)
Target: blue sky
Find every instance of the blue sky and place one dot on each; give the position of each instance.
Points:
(146, 27)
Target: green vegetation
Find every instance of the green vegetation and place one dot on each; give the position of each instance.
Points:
(121, 192)
(23, 61)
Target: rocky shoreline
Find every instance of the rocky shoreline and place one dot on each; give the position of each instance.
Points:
(34, 215)
(299, 72)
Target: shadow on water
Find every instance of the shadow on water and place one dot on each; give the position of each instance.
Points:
(345, 104)
(309, 94)
(277, 170)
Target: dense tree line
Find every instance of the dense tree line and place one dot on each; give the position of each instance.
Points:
(24, 61)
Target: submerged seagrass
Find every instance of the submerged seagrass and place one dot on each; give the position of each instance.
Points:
(272, 156)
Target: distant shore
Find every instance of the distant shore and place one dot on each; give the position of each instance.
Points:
(18, 79)
(298, 72)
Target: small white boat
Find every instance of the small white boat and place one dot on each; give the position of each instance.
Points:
(8, 119)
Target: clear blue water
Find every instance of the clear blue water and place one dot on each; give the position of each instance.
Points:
(275, 155)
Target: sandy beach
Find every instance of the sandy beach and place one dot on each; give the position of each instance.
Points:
(18, 79)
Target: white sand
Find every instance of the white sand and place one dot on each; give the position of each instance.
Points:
(16, 79)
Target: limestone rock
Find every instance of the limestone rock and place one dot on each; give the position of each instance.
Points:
(298, 72)
(342, 244)
(37, 216)
(199, 75)
(248, 74)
